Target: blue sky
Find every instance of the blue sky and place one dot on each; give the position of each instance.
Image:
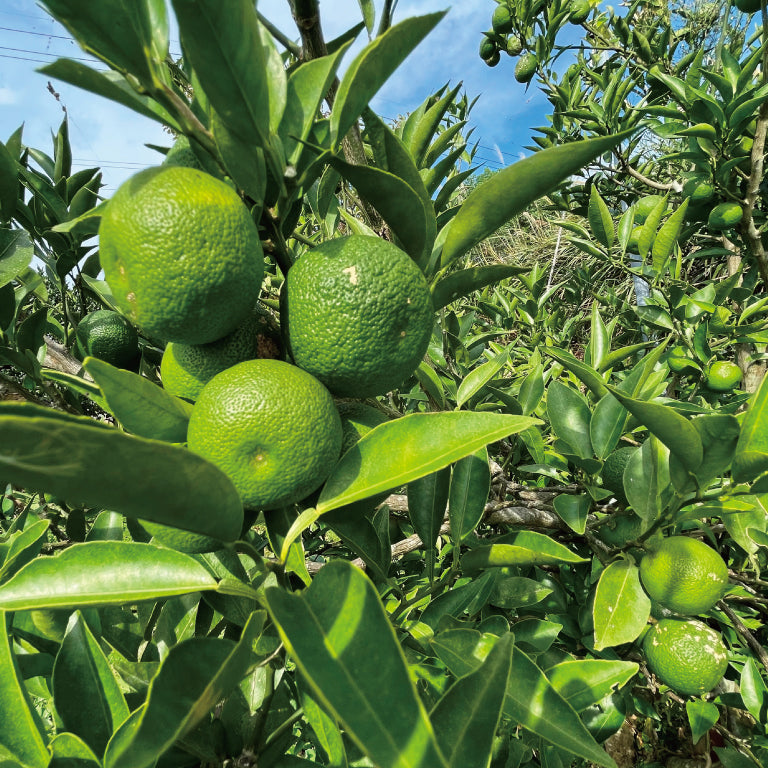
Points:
(112, 137)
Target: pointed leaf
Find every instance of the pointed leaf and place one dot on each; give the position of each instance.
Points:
(466, 717)
(9, 185)
(470, 486)
(466, 281)
(600, 219)
(70, 751)
(666, 238)
(103, 573)
(16, 253)
(479, 377)
(621, 606)
(572, 509)
(372, 68)
(330, 631)
(751, 457)
(141, 406)
(86, 694)
(195, 676)
(395, 453)
(82, 462)
(702, 715)
(585, 682)
(427, 502)
(569, 416)
(511, 190)
(590, 377)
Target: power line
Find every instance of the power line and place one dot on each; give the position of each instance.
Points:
(37, 34)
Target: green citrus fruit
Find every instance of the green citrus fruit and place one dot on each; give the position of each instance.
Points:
(488, 48)
(679, 361)
(357, 314)
(723, 376)
(633, 244)
(699, 191)
(684, 575)
(686, 655)
(747, 6)
(181, 254)
(271, 427)
(514, 46)
(724, 216)
(620, 529)
(492, 61)
(357, 419)
(580, 10)
(181, 541)
(186, 368)
(613, 471)
(502, 20)
(181, 154)
(644, 206)
(526, 67)
(108, 336)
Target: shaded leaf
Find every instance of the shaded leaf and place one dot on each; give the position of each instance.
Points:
(569, 416)
(16, 253)
(470, 486)
(621, 607)
(584, 682)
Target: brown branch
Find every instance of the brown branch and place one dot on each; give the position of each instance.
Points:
(750, 639)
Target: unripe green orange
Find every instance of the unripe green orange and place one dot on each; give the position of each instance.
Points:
(502, 20)
(526, 67)
(723, 376)
(724, 216)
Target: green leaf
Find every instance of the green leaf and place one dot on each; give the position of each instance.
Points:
(523, 548)
(470, 486)
(511, 190)
(98, 466)
(646, 480)
(754, 692)
(585, 682)
(425, 129)
(587, 375)
(195, 676)
(666, 238)
(702, 715)
(368, 10)
(372, 68)
(466, 717)
(114, 31)
(23, 547)
(572, 509)
(21, 731)
(479, 377)
(331, 631)
(532, 390)
(397, 202)
(599, 339)
(141, 406)
(86, 694)
(468, 598)
(569, 416)
(9, 184)
(751, 457)
(621, 607)
(103, 573)
(16, 251)
(600, 219)
(427, 501)
(70, 751)
(673, 429)
(226, 52)
(400, 451)
(326, 731)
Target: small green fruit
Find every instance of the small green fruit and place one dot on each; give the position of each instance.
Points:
(724, 216)
(502, 20)
(526, 67)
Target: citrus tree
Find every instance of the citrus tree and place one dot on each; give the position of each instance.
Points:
(337, 516)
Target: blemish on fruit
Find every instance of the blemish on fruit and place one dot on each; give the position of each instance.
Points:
(352, 273)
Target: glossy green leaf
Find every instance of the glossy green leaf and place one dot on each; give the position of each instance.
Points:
(532, 390)
(141, 406)
(673, 429)
(21, 732)
(646, 480)
(108, 526)
(23, 547)
(702, 715)
(368, 9)
(584, 682)
(427, 502)
(719, 437)
(70, 751)
(470, 597)
(326, 731)
(330, 631)
(80, 462)
(395, 453)
(474, 382)
(536, 635)
(372, 68)
(569, 416)
(103, 573)
(666, 238)
(609, 417)
(360, 531)
(621, 607)
(510, 191)
(470, 486)
(114, 31)
(599, 338)
(9, 185)
(398, 203)
(425, 129)
(466, 717)
(751, 457)
(16, 253)
(585, 373)
(572, 509)
(600, 220)
(86, 694)
(195, 676)
(229, 60)
(520, 548)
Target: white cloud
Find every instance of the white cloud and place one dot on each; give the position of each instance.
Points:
(7, 96)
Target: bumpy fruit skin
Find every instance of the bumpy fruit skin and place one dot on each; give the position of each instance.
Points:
(487, 49)
(502, 20)
(186, 368)
(687, 656)
(271, 428)
(181, 254)
(699, 191)
(724, 216)
(613, 471)
(684, 575)
(526, 67)
(357, 313)
(723, 376)
(181, 154)
(108, 336)
(514, 46)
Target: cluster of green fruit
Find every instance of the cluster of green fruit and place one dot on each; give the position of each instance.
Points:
(719, 376)
(509, 36)
(184, 261)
